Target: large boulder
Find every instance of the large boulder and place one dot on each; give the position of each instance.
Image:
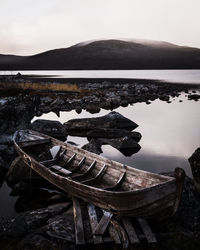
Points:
(112, 120)
(113, 133)
(51, 128)
(126, 145)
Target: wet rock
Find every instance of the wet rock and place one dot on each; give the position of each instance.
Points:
(34, 241)
(61, 227)
(111, 120)
(25, 222)
(164, 98)
(19, 174)
(92, 108)
(113, 133)
(93, 146)
(126, 145)
(51, 128)
(194, 97)
(194, 161)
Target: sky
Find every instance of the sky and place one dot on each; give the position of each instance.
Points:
(32, 26)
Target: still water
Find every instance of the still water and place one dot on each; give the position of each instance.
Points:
(170, 133)
(177, 76)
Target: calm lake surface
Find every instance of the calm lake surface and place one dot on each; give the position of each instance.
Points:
(170, 133)
(178, 76)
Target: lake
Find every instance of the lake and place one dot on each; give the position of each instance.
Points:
(177, 76)
(170, 133)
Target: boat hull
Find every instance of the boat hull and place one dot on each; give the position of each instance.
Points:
(157, 202)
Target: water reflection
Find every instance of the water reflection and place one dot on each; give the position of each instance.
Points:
(170, 133)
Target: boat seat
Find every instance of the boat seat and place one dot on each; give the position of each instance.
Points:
(31, 143)
(61, 170)
(118, 184)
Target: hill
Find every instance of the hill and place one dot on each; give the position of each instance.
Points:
(108, 54)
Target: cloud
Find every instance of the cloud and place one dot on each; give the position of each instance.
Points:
(29, 26)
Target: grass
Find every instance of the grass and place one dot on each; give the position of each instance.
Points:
(65, 87)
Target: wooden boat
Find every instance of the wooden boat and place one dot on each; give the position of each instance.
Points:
(110, 185)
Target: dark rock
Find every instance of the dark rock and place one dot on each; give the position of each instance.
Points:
(93, 146)
(164, 98)
(25, 222)
(51, 128)
(93, 108)
(124, 103)
(111, 120)
(194, 161)
(194, 97)
(61, 227)
(113, 133)
(20, 173)
(126, 145)
(78, 110)
(35, 241)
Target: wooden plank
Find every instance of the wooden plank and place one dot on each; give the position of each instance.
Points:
(147, 231)
(61, 170)
(93, 223)
(25, 144)
(78, 222)
(101, 227)
(130, 230)
(114, 235)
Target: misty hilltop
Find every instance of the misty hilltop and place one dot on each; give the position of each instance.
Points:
(108, 54)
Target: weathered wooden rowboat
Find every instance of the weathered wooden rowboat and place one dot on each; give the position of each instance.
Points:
(105, 183)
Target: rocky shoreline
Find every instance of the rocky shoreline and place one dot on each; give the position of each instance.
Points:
(17, 109)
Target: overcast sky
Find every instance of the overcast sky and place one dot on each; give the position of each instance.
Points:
(32, 26)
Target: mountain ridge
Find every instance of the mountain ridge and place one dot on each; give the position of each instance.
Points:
(108, 54)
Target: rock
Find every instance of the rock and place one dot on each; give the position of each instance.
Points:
(194, 97)
(126, 145)
(111, 120)
(113, 133)
(93, 146)
(25, 222)
(164, 98)
(194, 161)
(51, 128)
(20, 173)
(61, 227)
(92, 108)
(36, 242)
